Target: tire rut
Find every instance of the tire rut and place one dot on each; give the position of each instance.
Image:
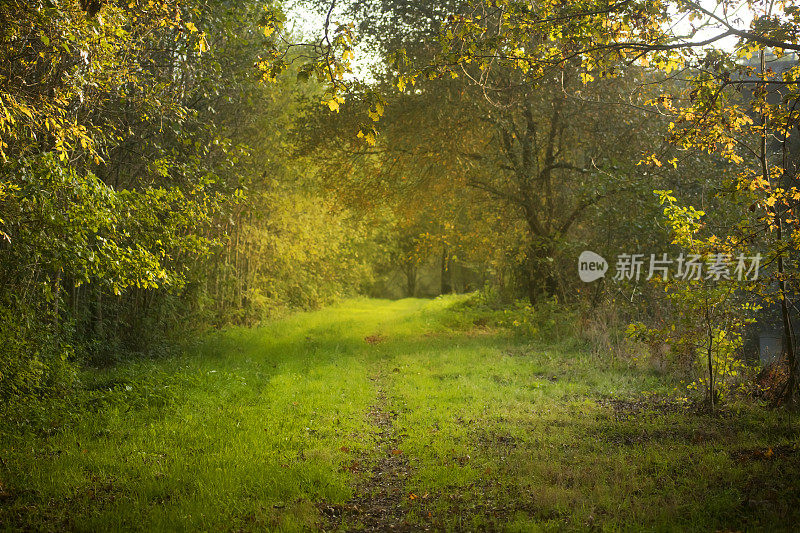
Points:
(378, 504)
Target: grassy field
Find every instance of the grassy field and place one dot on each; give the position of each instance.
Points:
(373, 414)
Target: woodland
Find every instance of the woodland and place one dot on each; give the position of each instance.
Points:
(408, 265)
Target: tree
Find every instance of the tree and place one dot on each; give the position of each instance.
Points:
(538, 39)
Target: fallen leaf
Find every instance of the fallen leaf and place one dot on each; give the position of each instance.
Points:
(374, 339)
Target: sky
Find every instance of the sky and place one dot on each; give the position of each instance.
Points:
(310, 23)
(740, 18)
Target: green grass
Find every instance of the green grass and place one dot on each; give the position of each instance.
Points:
(264, 428)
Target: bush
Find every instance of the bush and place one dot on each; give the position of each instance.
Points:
(33, 361)
(548, 320)
(604, 329)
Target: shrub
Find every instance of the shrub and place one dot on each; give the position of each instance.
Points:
(33, 361)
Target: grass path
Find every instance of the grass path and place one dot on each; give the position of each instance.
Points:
(376, 413)
(378, 501)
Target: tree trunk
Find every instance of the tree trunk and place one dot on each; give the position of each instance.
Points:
(446, 274)
(411, 280)
(540, 279)
(56, 301)
(710, 355)
(788, 334)
(98, 313)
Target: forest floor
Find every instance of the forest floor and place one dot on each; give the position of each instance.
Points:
(406, 415)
